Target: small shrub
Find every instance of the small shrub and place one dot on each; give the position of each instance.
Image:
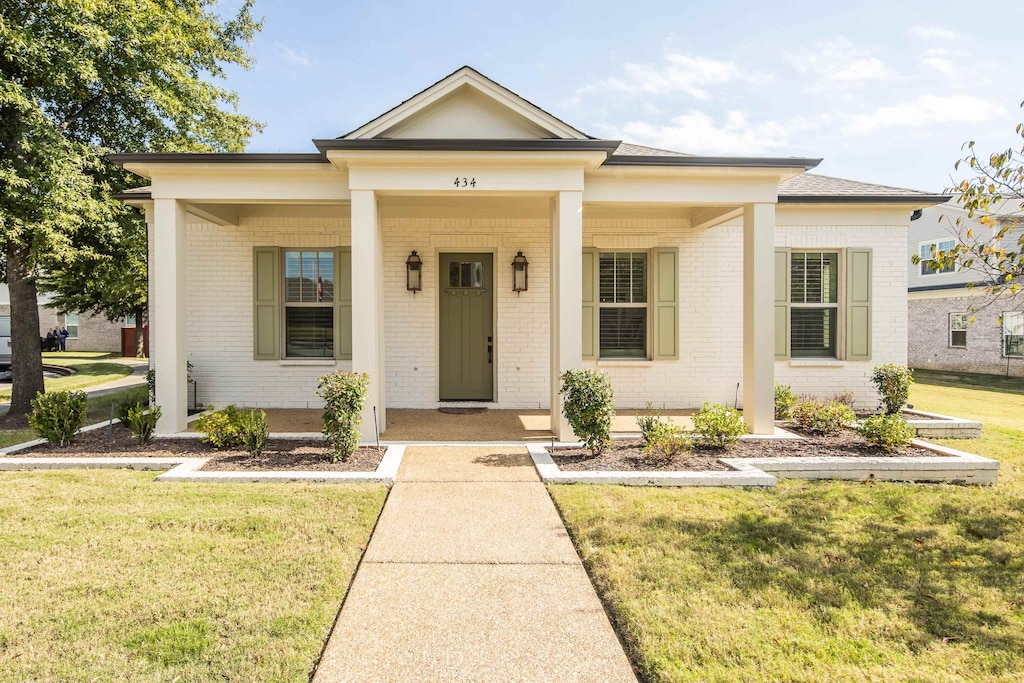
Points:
(344, 395)
(846, 397)
(589, 407)
(142, 424)
(888, 432)
(785, 399)
(663, 440)
(893, 383)
(822, 418)
(58, 415)
(254, 431)
(718, 426)
(223, 428)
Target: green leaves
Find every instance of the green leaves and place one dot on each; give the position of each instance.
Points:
(589, 407)
(344, 395)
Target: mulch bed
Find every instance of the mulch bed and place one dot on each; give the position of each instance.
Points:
(280, 454)
(292, 454)
(628, 456)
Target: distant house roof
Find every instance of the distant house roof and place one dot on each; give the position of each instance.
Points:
(631, 150)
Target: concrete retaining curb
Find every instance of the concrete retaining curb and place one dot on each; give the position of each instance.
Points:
(944, 426)
(947, 466)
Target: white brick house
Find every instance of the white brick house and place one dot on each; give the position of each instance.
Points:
(686, 278)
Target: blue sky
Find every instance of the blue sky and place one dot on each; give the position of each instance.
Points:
(885, 92)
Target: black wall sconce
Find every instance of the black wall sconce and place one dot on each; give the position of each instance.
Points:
(414, 273)
(520, 273)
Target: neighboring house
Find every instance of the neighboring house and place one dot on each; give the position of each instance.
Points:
(86, 332)
(953, 326)
(390, 251)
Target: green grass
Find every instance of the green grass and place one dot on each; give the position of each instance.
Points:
(108, 576)
(822, 581)
(90, 370)
(98, 411)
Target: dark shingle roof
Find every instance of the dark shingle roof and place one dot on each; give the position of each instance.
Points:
(629, 149)
(814, 185)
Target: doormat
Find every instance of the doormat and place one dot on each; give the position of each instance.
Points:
(461, 411)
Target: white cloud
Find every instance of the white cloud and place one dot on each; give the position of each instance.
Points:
(839, 60)
(924, 110)
(696, 132)
(932, 33)
(678, 73)
(292, 57)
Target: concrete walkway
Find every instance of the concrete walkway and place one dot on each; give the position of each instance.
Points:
(470, 575)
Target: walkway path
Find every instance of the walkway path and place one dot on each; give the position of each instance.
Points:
(470, 575)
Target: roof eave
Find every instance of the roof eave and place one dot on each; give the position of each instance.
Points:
(921, 200)
(717, 161)
(467, 145)
(215, 158)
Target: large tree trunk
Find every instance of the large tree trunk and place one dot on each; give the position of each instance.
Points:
(26, 356)
(140, 337)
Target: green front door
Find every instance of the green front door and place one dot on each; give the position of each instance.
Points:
(466, 330)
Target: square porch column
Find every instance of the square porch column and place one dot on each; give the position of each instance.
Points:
(367, 318)
(566, 298)
(759, 317)
(169, 291)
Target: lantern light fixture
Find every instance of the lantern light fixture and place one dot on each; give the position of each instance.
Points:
(414, 273)
(520, 273)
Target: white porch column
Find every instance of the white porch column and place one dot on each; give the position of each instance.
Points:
(367, 318)
(566, 298)
(168, 292)
(759, 317)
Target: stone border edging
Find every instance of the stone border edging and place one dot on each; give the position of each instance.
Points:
(944, 426)
(740, 475)
(953, 467)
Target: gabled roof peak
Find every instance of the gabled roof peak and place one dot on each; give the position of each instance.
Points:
(492, 102)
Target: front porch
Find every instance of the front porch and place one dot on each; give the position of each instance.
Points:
(460, 424)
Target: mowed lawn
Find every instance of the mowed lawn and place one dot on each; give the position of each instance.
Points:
(91, 368)
(822, 581)
(109, 576)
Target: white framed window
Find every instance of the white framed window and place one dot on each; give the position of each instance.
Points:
(308, 304)
(927, 252)
(1013, 334)
(71, 323)
(958, 330)
(815, 314)
(623, 302)
(129, 321)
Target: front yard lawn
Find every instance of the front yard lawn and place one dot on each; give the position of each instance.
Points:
(98, 410)
(108, 576)
(822, 581)
(90, 368)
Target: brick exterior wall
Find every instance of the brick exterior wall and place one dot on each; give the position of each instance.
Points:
(95, 332)
(929, 338)
(219, 274)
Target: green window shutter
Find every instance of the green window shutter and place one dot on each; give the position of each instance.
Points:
(665, 302)
(858, 304)
(266, 303)
(343, 304)
(590, 304)
(782, 320)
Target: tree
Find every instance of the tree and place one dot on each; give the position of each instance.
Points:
(107, 273)
(82, 78)
(994, 197)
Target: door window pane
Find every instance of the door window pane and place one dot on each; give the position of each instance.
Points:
(466, 274)
(309, 332)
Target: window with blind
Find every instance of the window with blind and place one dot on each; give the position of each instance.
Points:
(814, 304)
(958, 330)
(928, 250)
(1013, 334)
(309, 304)
(622, 304)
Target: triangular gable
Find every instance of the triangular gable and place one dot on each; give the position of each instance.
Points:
(467, 104)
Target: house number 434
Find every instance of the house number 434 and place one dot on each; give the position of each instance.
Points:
(465, 182)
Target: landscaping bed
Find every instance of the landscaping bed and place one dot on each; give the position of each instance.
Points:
(629, 456)
(280, 454)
